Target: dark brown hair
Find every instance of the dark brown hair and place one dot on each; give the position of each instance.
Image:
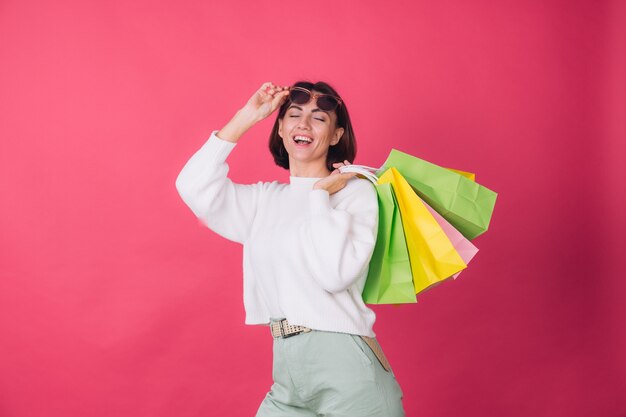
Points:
(344, 149)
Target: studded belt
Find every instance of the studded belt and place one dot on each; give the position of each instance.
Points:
(283, 329)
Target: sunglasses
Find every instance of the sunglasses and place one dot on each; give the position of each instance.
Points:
(326, 102)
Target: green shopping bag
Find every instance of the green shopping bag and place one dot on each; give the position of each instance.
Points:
(389, 280)
(467, 205)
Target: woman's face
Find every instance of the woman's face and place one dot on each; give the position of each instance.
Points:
(307, 132)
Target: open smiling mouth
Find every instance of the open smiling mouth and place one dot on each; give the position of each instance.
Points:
(302, 140)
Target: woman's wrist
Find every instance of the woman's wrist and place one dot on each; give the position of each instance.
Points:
(241, 122)
(247, 116)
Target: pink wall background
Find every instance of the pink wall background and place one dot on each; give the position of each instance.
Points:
(114, 301)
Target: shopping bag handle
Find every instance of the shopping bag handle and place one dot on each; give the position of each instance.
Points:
(362, 170)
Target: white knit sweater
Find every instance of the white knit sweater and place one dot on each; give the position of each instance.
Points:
(305, 252)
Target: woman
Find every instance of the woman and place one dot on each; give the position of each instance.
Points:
(307, 246)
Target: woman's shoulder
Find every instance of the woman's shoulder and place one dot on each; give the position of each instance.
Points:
(361, 184)
(361, 190)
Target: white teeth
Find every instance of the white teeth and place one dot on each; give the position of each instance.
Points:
(302, 139)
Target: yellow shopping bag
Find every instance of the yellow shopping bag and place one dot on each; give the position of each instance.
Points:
(432, 256)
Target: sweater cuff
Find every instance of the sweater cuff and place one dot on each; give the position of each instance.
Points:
(320, 201)
(217, 148)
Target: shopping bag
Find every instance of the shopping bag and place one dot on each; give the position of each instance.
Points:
(467, 205)
(462, 245)
(469, 175)
(389, 280)
(432, 255)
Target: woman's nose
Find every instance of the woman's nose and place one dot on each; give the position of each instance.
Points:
(304, 122)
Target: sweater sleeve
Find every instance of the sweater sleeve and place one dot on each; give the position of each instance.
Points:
(223, 206)
(338, 243)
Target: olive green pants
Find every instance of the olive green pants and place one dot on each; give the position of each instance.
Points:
(329, 374)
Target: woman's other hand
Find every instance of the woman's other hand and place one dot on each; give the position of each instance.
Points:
(266, 100)
(336, 180)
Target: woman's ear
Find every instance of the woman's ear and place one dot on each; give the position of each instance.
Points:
(280, 128)
(337, 136)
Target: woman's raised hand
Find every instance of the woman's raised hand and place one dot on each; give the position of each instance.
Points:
(261, 104)
(266, 99)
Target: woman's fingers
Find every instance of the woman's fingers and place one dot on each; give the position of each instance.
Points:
(270, 91)
(272, 88)
(266, 87)
(278, 99)
(266, 100)
(340, 164)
